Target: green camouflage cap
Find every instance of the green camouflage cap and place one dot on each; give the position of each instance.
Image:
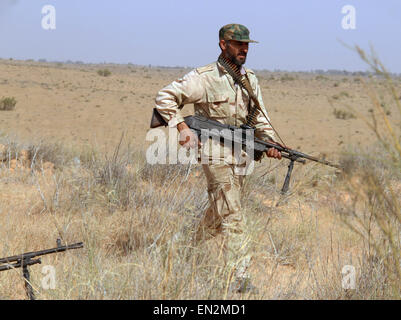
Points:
(236, 32)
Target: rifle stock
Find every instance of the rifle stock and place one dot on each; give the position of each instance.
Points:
(157, 120)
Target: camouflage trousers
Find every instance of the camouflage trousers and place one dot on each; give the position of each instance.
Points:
(224, 215)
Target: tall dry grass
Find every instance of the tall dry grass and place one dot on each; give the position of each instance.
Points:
(137, 222)
(373, 180)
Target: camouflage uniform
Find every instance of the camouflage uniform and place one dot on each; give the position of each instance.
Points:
(215, 95)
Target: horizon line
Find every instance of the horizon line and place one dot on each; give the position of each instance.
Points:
(80, 62)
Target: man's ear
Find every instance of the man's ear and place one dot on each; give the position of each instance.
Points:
(223, 44)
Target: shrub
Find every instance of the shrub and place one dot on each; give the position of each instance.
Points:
(104, 72)
(8, 103)
(343, 114)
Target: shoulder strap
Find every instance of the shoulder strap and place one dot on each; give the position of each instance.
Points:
(208, 67)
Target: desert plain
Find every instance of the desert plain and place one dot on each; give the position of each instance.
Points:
(84, 186)
(73, 104)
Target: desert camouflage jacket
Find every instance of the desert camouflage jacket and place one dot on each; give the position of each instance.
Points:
(214, 95)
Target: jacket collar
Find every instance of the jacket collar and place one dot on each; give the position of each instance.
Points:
(229, 77)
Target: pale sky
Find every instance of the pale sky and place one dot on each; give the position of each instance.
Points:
(293, 35)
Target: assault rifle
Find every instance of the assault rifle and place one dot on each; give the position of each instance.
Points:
(231, 135)
(27, 259)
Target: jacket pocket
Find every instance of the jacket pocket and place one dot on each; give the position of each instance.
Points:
(217, 105)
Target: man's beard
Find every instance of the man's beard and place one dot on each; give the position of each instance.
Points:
(234, 60)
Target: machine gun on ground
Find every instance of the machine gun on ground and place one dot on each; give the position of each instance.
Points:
(27, 259)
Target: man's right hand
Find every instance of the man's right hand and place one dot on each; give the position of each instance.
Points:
(273, 152)
(187, 137)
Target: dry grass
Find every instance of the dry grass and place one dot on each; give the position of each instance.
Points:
(372, 179)
(137, 222)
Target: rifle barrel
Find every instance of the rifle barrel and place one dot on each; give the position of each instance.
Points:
(296, 154)
(41, 253)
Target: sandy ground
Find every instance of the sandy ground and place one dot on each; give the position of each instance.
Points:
(75, 105)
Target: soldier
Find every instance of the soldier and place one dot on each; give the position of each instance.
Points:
(217, 96)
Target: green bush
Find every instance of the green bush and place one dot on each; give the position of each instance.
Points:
(104, 72)
(8, 103)
(343, 114)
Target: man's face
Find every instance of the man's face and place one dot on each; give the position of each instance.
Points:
(235, 51)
